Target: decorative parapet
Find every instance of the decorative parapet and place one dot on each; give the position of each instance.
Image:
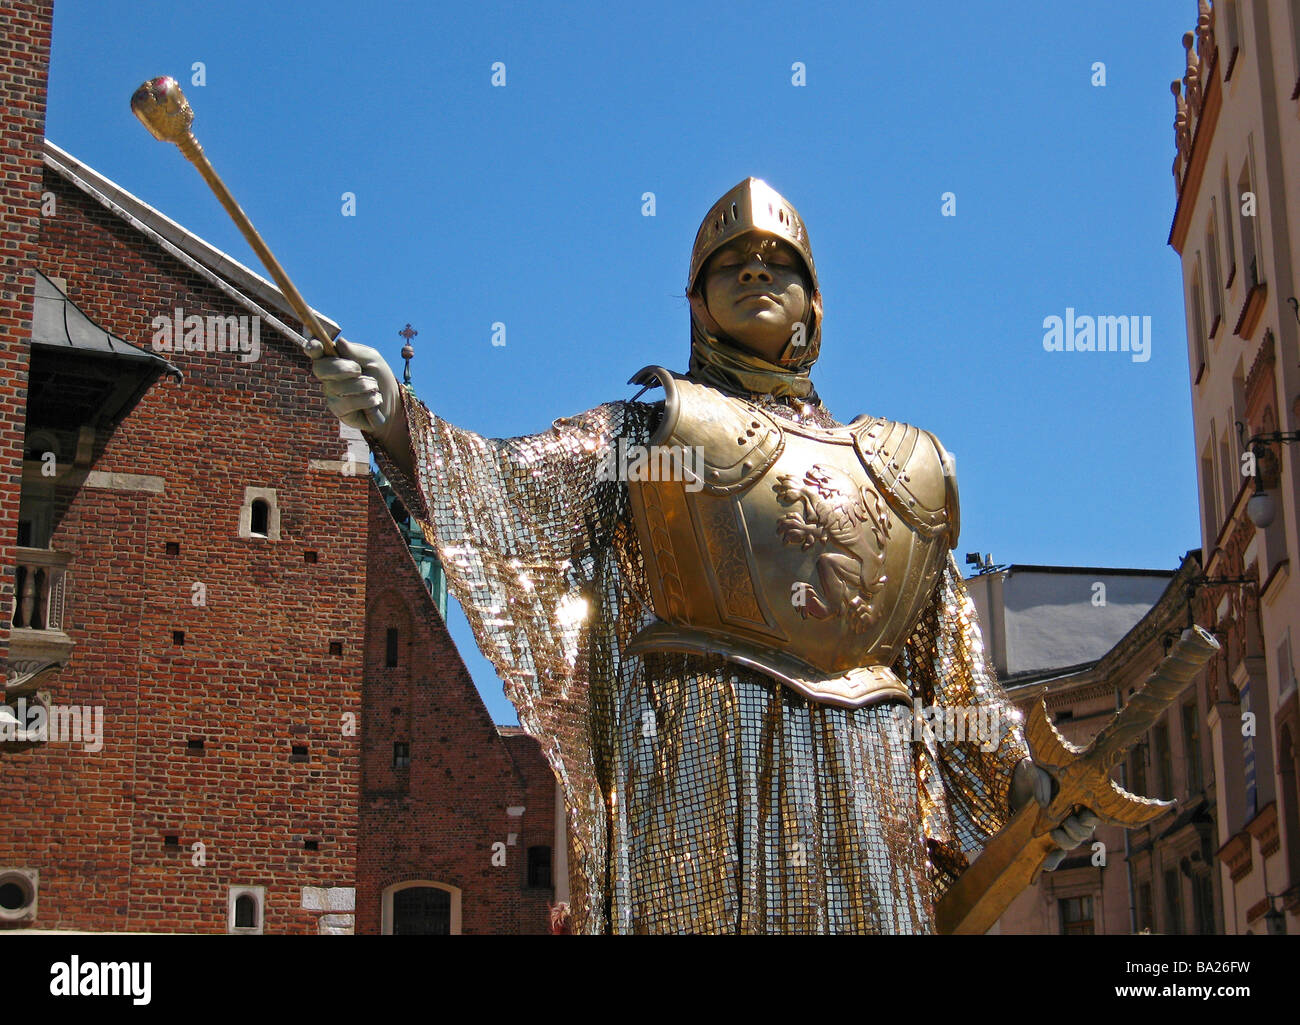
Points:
(1190, 92)
(1197, 98)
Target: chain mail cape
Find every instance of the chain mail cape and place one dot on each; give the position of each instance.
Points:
(702, 796)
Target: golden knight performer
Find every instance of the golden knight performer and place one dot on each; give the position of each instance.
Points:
(721, 663)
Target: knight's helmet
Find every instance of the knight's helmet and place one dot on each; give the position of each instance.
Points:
(753, 206)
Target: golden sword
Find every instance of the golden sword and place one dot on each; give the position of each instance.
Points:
(1013, 859)
(162, 108)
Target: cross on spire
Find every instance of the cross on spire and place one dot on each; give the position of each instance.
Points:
(408, 350)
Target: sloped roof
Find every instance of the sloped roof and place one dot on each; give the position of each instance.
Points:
(80, 372)
(59, 323)
(244, 286)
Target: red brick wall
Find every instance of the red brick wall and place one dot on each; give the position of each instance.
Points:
(438, 819)
(24, 65)
(539, 818)
(254, 675)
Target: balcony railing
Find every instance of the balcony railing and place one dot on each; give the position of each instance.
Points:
(38, 646)
(39, 589)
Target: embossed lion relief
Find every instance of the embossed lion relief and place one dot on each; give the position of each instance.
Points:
(852, 522)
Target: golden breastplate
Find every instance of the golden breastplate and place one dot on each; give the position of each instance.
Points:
(806, 553)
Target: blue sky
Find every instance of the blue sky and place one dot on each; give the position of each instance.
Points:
(522, 205)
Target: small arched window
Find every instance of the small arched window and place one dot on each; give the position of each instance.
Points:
(245, 912)
(260, 518)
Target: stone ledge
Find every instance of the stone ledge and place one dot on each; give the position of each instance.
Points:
(359, 467)
(329, 899)
(124, 482)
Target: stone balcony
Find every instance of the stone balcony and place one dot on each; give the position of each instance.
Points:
(38, 645)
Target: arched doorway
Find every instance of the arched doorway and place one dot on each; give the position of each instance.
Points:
(420, 907)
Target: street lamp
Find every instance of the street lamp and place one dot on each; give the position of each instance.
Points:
(1274, 920)
(1261, 508)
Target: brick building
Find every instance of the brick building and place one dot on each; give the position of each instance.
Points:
(210, 581)
(453, 806)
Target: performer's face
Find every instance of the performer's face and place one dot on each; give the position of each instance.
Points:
(757, 290)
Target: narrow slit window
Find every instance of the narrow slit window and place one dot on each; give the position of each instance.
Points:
(539, 866)
(245, 912)
(261, 517)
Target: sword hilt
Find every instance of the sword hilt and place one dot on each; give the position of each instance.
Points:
(1083, 773)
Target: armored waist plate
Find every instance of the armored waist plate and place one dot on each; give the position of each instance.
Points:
(804, 552)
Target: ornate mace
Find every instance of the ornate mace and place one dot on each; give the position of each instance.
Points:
(162, 108)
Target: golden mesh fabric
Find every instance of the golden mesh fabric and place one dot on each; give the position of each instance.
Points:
(702, 796)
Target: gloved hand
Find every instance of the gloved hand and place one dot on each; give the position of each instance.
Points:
(1033, 781)
(356, 380)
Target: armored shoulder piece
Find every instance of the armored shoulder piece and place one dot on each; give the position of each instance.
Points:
(735, 442)
(914, 472)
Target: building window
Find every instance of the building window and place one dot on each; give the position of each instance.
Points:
(1192, 747)
(1215, 282)
(1228, 231)
(1249, 248)
(422, 911)
(1138, 770)
(401, 754)
(1209, 501)
(1229, 470)
(245, 912)
(390, 647)
(1231, 32)
(1145, 909)
(1076, 916)
(244, 906)
(1163, 762)
(1173, 903)
(1198, 326)
(539, 866)
(1202, 900)
(259, 516)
